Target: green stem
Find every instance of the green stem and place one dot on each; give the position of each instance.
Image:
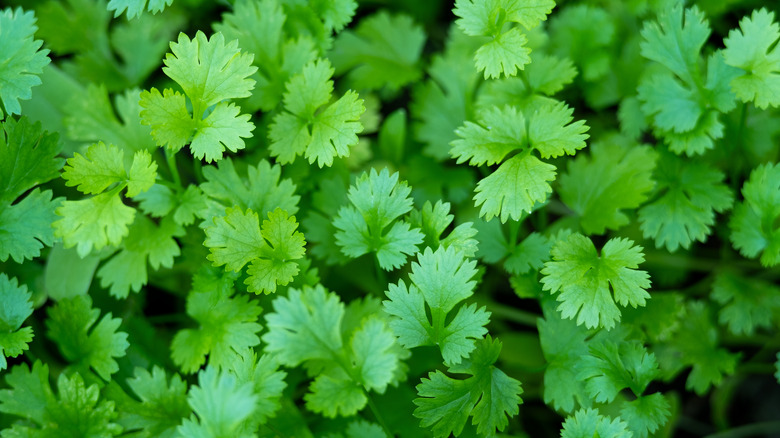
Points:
(515, 315)
(170, 157)
(377, 415)
(755, 429)
(514, 229)
(381, 277)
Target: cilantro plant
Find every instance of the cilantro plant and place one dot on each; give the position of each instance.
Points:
(368, 219)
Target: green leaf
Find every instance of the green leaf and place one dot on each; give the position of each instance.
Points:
(611, 367)
(583, 278)
(262, 190)
(225, 324)
(267, 379)
(506, 51)
(748, 303)
(23, 62)
(161, 406)
(382, 52)
(136, 7)
(103, 166)
(519, 183)
(753, 48)
(378, 200)
(167, 116)
(753, 224)
(237, 239)
(93, 223)
(146, 241)
(220, 404)
(433, 220)
(71, 325)
(305, 325)
(77, 409)
(28, 157)
(442, 279)
(676, 39)
(208, 70)
(223, 129)
(310, 126)
(588, 423)
(646, 414)
(689, 195)
(15, 307)
(617, 178)
(489, 396)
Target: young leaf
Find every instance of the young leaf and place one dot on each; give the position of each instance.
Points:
(442, 279)
(753, 48)
(146, 240)
(220, 404)
(309, 125)
(23, 62)
(753, 224)
(489, 396)
(506, 51)
(262, 190)
(71, 325)
(161, 406)
(237, 239)
(93, 223)
(377, 199)
(28, 157)
(15, 308)
(523, 180)
(226, 324)
(584, 278)
(689, 195)
(103, 166)
(432, 220)
(617, 178)
(77, 408)
(382, 52)
(136, 7)
(588, 423)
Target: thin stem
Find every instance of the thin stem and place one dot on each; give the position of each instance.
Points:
(381, 278)
(755, 429)
(377, 415)
(170, 157)
(515, 315)
(514, 229)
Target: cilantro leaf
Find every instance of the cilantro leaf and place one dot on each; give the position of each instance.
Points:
(93, 223)
(237, 239)
(753, 224)
(225, 324)
(71, 324)
(306, 326)
(23, 62)
(689, 194)
(502, 131)
(584, 34)
(584, 278)
(267, 380)
(136, 7)
(587, 423)
(145, 240)
(103, 166)
(310, 126)
(506, 51)
(432, 220)
(262, 190)
(161, 404)
(489, 396)
(15, 307)
(611, 367)
(616, 178)
(221, 404)
(28, 157)
(382, 52)
(646, 414)
(753, 48)
(748, 303)
(378, 200)
(77, 408)
(258, 27)
(160, 200)
(210, 72)
(441, 279)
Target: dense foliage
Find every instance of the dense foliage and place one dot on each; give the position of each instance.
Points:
(371, 218)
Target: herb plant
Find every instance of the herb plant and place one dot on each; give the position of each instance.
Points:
(347, 218)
